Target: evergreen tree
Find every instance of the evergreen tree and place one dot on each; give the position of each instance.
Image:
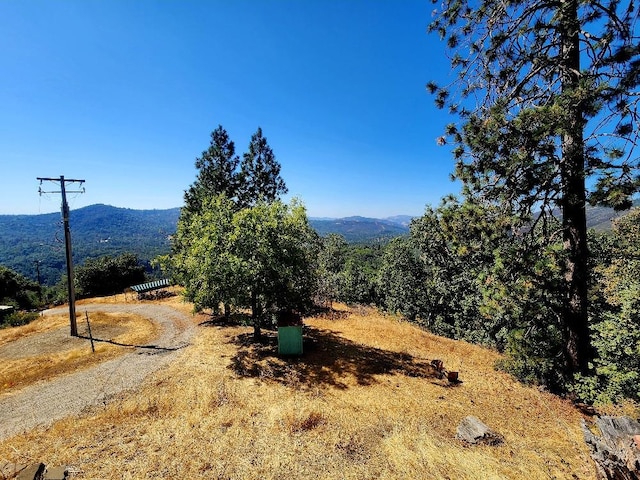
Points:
(616, 327)
(222, 183)
(555, 86)
(216, 171)
(260, 178)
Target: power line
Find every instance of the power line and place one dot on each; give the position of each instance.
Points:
(67, 237)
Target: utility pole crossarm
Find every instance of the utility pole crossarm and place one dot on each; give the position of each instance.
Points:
(69, 180)
(62, 181)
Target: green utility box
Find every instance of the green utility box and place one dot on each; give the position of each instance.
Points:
(290, 340)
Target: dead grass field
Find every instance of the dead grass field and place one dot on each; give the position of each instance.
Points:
(59, 353)
(362, 402)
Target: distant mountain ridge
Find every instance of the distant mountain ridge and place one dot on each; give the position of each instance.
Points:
(29, 243)
(600, 218)
(32, 242)
(361, 229)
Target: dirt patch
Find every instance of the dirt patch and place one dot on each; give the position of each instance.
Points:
(54, 341)
(40, 343)
(25, 407)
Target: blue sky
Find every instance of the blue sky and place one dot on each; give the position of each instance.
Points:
(125, 94)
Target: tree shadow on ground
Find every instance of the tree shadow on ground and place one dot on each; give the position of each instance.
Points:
(328, 360)
(234, 319)
(120, 344)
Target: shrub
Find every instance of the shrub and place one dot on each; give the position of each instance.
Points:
(16, 319)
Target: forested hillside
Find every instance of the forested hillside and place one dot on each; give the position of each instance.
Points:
(362, 229)
(99, 230)
(96, 230)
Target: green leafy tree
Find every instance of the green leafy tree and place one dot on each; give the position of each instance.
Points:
(441, 275)
(331, 262)
(260, 178)
(277, 250)
(359, 274)
(357, 284)
(205, 263)
(547, 96)
(262, 258)
(616, 328)
(108, 275)
(457, 244)
(402, 279)
(18, 291)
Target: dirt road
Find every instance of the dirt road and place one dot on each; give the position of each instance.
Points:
(44, 402)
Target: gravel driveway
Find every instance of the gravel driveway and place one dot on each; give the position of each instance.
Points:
(44, 402)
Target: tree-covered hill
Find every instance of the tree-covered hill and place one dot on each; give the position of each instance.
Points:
(99, 230)
(96, 230)
(361, 229)
(599, 218)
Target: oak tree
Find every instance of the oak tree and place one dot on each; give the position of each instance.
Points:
(260, 258)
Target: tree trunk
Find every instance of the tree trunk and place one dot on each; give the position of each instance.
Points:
(256, 315)
(575, 315)
(574, 221)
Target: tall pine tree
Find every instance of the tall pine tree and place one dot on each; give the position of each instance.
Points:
(217, 172)
(547, 95)
(260, 173)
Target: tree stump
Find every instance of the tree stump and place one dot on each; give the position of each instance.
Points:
(616, 451)
(473, 431)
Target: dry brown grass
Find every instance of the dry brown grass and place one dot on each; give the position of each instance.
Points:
(363, 402)
(44, 349)
(176, 301)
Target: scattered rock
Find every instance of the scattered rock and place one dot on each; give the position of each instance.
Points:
(472, 431)
(56, 473)
(39, 471)
(10, 469)
(616, 451)
(32, 472)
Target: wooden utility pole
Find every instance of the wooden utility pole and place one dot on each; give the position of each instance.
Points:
(67, 240)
